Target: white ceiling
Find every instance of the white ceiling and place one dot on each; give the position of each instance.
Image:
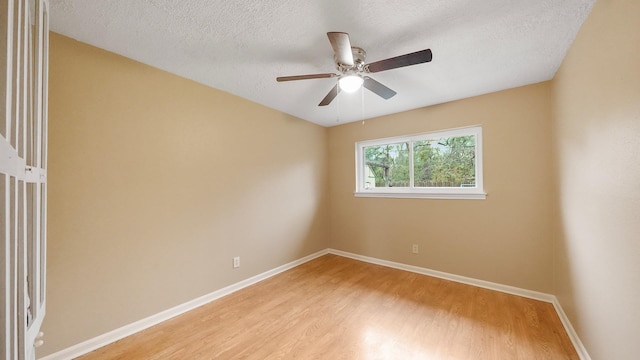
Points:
(242, 46)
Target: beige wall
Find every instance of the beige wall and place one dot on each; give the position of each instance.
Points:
(597, 141)
(505, 238)
(156, 182)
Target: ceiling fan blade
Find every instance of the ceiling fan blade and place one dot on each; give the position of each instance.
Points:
(305, 77)
(330, 96)
(417, 57)
(377, 88)
(341, 47)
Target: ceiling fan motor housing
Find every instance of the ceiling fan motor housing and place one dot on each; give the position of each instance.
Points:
(359, 55)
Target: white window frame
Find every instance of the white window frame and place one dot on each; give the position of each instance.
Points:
(476, 192)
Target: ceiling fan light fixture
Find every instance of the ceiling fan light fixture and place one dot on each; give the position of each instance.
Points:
(350, 83)
(353, 71)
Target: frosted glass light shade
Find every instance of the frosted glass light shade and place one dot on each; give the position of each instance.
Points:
(350, 83)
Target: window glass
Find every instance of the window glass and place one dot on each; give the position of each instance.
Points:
(386, 165)
(443, 164)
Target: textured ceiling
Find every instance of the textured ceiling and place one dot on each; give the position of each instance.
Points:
(242, 46)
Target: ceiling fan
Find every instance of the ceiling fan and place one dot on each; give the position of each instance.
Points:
(350, 62)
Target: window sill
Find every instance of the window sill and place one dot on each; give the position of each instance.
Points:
(407, 195)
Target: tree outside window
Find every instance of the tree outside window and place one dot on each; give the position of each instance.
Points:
(445, 162)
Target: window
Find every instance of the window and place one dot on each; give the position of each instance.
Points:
(444, 164)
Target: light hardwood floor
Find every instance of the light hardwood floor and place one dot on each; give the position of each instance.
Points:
(338, 308)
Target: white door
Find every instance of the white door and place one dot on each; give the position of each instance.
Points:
(24, 38)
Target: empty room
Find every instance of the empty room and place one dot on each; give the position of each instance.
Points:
(321, 180)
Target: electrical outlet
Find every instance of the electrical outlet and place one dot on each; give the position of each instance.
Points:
(236, 262)
(415, 249)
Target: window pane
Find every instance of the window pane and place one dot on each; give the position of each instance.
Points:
(445, 162)
(386, 165)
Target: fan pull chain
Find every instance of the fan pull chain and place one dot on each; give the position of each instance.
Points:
(362, 103)
(338, 103)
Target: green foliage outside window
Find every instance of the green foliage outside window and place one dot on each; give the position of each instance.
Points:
(444, 162)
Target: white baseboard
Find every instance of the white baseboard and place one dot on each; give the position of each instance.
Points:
(573, 336)
(117, 334)
(447, 276)
(580, 349)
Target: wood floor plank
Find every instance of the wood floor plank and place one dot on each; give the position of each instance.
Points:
(338, 308)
